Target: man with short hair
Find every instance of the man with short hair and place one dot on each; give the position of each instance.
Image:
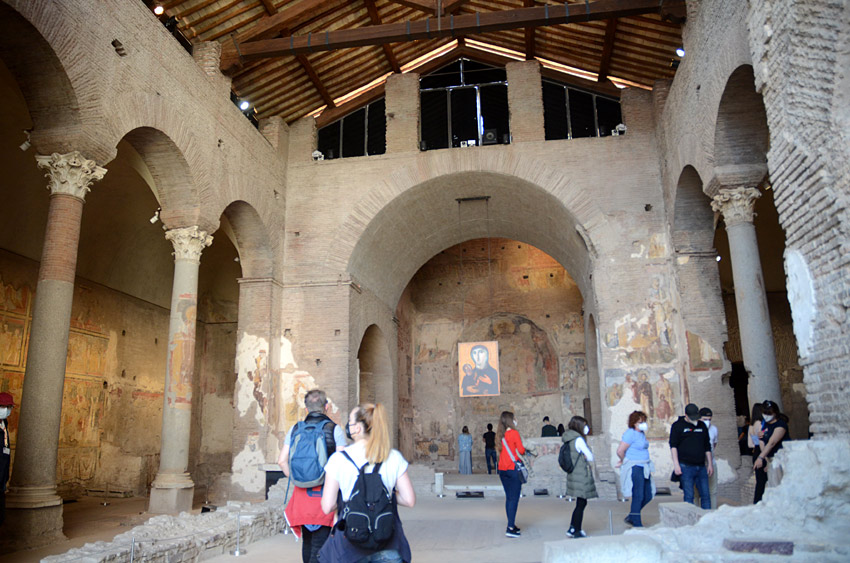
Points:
(304, 511)
(691, 450)
(490, 449)
(6, 404)
(705, 415)
(549, 430)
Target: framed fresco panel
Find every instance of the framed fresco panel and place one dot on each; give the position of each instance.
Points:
(478, 369)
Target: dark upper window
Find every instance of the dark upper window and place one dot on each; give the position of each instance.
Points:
(569, 113)
(464, 103)
(362, 132)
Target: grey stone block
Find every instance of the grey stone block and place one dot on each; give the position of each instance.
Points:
(680, 514)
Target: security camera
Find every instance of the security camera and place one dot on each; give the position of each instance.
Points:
(620, 129)
(26, 144)
(317, 155)
(155, 217)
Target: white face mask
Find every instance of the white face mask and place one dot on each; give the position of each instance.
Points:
(707, 423)
(5, 412)
(643, 427)
(515, 424)
(586, 430)
(768, 417)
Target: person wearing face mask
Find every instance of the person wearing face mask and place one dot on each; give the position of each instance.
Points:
(635, 467)
(690, 448)
(6, 404)
(775, 432)
(510, 439)
(371, 451)
(580, 483)
(304, 511)
(705, 415)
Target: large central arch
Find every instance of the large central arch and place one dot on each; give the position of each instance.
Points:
(444, 211)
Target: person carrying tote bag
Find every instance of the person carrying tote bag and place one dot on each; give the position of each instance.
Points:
(511, 479)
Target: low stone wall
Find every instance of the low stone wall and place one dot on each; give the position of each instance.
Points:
(186, 538)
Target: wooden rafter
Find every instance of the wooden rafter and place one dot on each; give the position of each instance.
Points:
(432, 6)
(314, 78)
(529, 36)
(272, 25)
(269, 6)
(445, 26)
(607, 50)
(376, 20)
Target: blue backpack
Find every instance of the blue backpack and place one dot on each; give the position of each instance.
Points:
(308, 454)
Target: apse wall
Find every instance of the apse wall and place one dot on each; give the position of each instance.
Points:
(504, 291)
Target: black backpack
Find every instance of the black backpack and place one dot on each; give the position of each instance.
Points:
(369, 514)
(565, 458)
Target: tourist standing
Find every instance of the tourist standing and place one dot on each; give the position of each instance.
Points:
(368, 427)
(490, 449)
(464, 447)
(6, 405)
(635, 467)
(690, 448)
(548, 430)
(511, 449)
(705, 416)
(775, 432)
(580, 483)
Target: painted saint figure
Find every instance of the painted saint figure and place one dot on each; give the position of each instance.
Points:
(482, 379)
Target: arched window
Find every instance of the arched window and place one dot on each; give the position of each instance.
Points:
(464, 104)
(569, 113)
(361, 132)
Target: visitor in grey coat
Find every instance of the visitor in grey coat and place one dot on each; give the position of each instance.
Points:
(464, 447)
(580, 483)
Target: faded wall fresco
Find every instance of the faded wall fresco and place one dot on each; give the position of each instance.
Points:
(524, 301)
(657, 392)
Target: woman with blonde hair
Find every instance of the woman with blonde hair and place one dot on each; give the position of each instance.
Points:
(511, 448)
(368, 427)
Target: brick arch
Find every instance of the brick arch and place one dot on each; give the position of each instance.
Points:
(376, 382)
(413, 215)
(251, 240)
(42, 77)
(740, 134)
(693, 218)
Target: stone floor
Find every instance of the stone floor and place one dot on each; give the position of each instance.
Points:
(439, 530)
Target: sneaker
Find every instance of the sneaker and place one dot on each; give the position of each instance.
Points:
(581, 534)
(628, 521)
(571, 533)
(516, 529)
(512, 532)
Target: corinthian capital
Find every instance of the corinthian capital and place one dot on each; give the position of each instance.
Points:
(188, 242)
(70, 174)
(736, 204)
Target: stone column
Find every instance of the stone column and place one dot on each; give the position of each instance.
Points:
(172, 490)
(35, 508)
(402, 109)
(525, 100)
(736, 205)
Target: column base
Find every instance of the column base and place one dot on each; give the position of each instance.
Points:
(28, 528)
(171, 494)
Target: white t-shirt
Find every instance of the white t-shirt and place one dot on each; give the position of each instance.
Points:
(346, 474)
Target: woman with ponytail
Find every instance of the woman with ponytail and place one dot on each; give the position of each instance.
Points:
(368, 427)
(511, 449)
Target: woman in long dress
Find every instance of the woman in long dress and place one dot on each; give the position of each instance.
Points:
(464, 448)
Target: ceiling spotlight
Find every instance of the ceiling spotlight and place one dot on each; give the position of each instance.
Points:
(158, 10)
(680, 52)
(244, 104)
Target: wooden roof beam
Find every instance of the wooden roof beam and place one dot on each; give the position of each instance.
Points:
(376, 20)
(314, 78)
(269, 6)
(432, 6)
(530, 51)
(607, 50)
(446, 26)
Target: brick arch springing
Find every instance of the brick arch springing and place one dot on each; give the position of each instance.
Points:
(175, 181)
(251, 240)
(44, 82)
(740, 134)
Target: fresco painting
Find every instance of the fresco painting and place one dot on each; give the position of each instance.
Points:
(181, 354)
(82, 410)
(86, 354)
(12, 333)
(646, 337)
(701, 355)
(15, 300)
(657, 392)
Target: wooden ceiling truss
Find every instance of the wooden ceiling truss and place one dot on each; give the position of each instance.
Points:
(292, 57)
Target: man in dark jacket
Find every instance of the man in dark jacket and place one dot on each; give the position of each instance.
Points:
(691, 450)
(548, 430)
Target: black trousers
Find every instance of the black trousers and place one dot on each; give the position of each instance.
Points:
(312, 542)
(578, 514)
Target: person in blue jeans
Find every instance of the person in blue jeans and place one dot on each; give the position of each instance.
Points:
(490, 450)
(511, 449)
(690, 447)
(635, 467)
